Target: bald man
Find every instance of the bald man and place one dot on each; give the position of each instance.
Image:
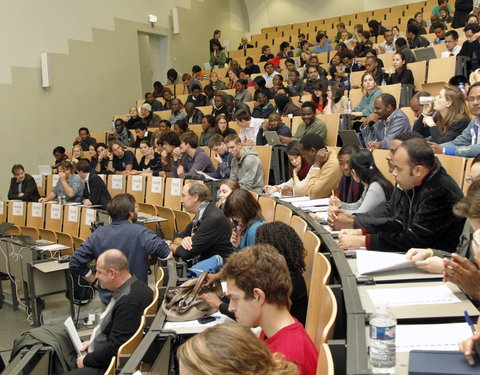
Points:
(122, 316)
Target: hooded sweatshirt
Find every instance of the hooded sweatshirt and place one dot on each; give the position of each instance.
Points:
(248, 170)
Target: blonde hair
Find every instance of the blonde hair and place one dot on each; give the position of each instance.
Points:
(455, 112)
(231, 349)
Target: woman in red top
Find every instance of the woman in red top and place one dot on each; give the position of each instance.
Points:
(319, 95)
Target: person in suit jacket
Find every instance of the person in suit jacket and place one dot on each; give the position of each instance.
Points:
(95, 191)
(22, 185)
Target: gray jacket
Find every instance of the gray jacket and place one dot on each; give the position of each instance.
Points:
(248, 171)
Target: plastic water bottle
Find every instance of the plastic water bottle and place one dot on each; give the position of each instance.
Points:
(382, 341)
(348, 110)
(461, 86)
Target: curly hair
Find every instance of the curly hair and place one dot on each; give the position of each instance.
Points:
(284, 238)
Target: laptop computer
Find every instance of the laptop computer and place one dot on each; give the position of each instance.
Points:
(272, 138)
(350, 137)
(425, 54)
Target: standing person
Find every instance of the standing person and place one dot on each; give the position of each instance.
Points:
(216, 39)
(135, 241)
(22, 185)
(218, 57)
(95, 191)
(462, 9)
(69, 185)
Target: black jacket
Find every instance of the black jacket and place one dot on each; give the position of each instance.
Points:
(405, 77)
(96, 191)
(462, 9)
(200, 101)
(424, 217)
(212, 236)
(29, 189)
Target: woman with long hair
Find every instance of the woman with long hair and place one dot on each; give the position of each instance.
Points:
(377, 189)
(450, 117)
(370, 93)
(221, 126)
(399, 73)
(216, 82)
(246, 215)
(319, 95)
(150, 163)
(225, 189)
(336, 99)
(233, 76)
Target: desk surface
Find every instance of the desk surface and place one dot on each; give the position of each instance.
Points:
(51, 266)
(144, 218)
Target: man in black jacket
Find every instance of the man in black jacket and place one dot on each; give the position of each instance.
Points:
(121, 317)
(207, 237)
(95, 191)
(425, 217)
(22, 185)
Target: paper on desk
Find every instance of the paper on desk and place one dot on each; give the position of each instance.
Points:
(430, 336)
(72, 332)
(330, 230)
(295, 199)
(193, 326)
(322, 215)
(52, 247)
(424, 295)
(312, 203)
(377, 261)
(207, 177)
(314, 208)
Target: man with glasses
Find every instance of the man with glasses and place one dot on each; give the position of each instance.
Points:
(451, 41)
(467, 144)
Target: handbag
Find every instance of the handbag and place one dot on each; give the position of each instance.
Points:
(182, 303)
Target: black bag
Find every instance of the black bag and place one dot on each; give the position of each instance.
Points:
(83, 292)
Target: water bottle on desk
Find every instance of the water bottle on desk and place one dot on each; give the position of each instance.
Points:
(382, 341)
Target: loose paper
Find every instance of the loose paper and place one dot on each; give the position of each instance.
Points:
(72, 332)
(431, 336)
(137, 183)
(37, 209)
(89, 216)
(378, 261)
(55, 179)
(193, 326)
(425, 295)
(117, 181)
(73, 214)
(38, 179)
(55, 211)
(17, 208)
(207, 177)
(156, 185)
(175, 186)
(295, 199)
(312, 203)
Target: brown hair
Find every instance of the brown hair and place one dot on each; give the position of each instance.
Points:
(241, 204)
(469, 206)
(232, 184)
(232, 137)
(120, 206)
(366, 74)
(263, 267)
(455, 112)
(189, 138)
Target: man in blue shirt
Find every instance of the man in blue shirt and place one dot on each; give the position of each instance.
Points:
(135, 241)
(323, 44)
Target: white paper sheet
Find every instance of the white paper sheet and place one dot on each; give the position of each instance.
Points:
(157, 183)
(37, 209)
(378, 261)
(38, 179)
(193, 326)
(431, 336)
(55, 211)
(314, 208)
(17, 208)
(207, 177)
(329, 229)
(322, 215)
(425, 295)
(55, 179)
(137, 183)
(295, 199)
(312, 203)
(117, 181)
(175, 186)
(73, 214)
(89, 216)
(72, 332)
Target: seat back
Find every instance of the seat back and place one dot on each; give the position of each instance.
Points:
(111, 367)
(77, 242)
(35, 214)
(283, 214)
(30, 231)
(311, 243)
(71, 220)
(67, 240)
(182, 219)
(129, 347)
(17, 212)
(332, 121)
(173, 193)
(394, 90)
(325, 361)
(87, 216)
(299, 225)
(455, 167)
(168, 227)
(3, 211)
(54, 217)
(155, 190)
(380, 157)
(267, 206)
(116, 184)
(419, 70)
(440, 68)
(47, 235)
(136, 187)
(265, 156)
(467, 177)
(321, 314)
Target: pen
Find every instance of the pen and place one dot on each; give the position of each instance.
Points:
(469, 321)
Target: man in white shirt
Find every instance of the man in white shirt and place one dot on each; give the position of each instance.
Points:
(451, 41)
(388, 45)
(269, 73)
(249, 127)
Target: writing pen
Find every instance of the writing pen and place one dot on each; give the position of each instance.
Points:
(472, 328)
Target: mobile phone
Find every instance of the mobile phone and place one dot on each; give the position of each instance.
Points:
(206, 319)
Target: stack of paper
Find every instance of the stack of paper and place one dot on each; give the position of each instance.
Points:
(312, 203)
(193, 326)
(378, 261)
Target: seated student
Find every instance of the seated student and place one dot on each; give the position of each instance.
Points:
(399, 73)
(298, 182)
(264, 108)
(155, 105)
(150, 162)
(208, 130)
(241, 353)
(180, 127)
(249, 127)
(259, 288)
(208, 235)
(324, 175)
(296, 86)
(169, 140)
(133, 118)
(221, 155)
(59, 155)
(402, 46)
(370, 93)
(224, 190)
(159, 89)
(187, 84)
(376, 188)
(382, 126)
(233, 75)
(95, 191)
(122, 134)
(194, 159)
(270, 72)
(121, 161)
(372, 66)
(196, 97)
(165, 125)
(168, 98)
(77, 155)
(150, 119)
(219, 107)
(216, 83)
(275, 124)
(285, 106)
(233, 106)
(285, 51)
(310, 124)
(122, 316)
(244, 44)
(389, 44)
(84, 139)
(194, 115)
(451, 42)
(250, 67)
(440, 30)
(425, 217)
(221, 126)
(364, 44)
(99, 164)
(22, 185)
(319, 95)
(336, 99)
(436, 8)
(445, 16)
(266, 54)
(241, 92)
(322, 45)
(340, 29)
(415, 40)
(466, 144)
(142, 134)
(246, 214)
(278, 86)
(449, 119)
(178, 113)
(69, 185)
(471, 47)
(245, 166)
(259, 86)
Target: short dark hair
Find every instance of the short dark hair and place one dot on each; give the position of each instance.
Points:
(388, 99)
(452, 33)
(312, 140)
(59, 149)
(141, 125)
(242, 115)
(201, 190)
(284, 45)
(100, 144)
(66, 165)
(348, 150)
(419, 153)
(196, 87)
(405, 136)
(215, 140)
(439, 25)
(260, 81)
(168, 123)
(264, 48)
(473, 27)
(190, 138)
(267, 64)
(84, 129)
(83, 166)
(17, 167)
(457, 80)
(401, 42)
(303, 42)
(196, 69)
(249, 59)
(120, 206)
(319, 37)
(366, 34)
(120, 121)
(290, 60)
(475, 85)
(309, 105)
(170, 137)
(413, 28)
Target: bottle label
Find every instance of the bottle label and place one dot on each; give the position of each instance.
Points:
(382, 333)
